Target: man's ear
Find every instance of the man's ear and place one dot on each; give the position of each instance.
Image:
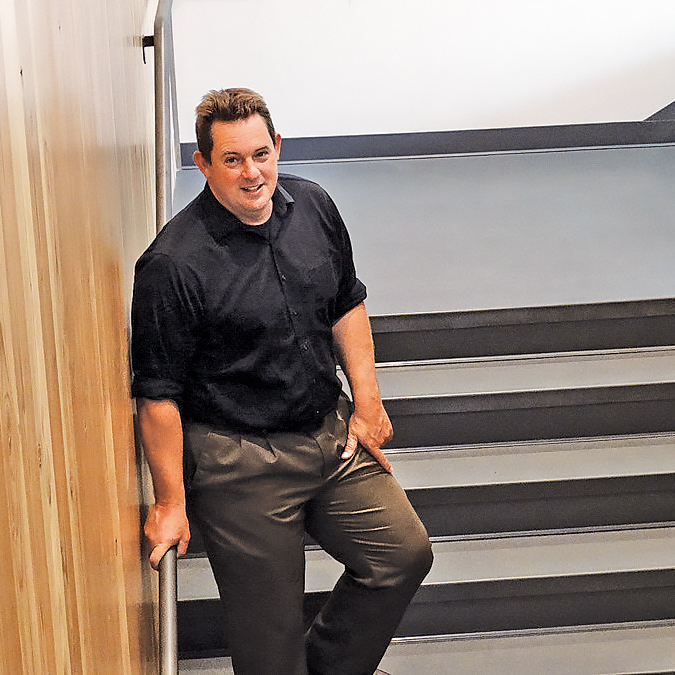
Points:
(277, 143)
(200, 162)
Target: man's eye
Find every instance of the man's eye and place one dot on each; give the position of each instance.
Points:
(230, 161)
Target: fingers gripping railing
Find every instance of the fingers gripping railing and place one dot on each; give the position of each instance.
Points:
(168, 620)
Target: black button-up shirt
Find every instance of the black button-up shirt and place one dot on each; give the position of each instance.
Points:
(234, 322)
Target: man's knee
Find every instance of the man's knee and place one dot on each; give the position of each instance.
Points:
(405, 565)
(418, 557)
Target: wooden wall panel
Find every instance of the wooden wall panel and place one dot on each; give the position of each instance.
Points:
(76, 210)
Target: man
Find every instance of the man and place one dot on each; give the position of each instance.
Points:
(241, 306)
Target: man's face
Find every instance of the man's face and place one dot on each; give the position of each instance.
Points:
(242, 173)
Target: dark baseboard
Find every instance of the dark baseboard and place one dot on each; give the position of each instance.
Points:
(655, 130)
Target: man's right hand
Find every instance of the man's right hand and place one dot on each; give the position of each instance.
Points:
(166, 526)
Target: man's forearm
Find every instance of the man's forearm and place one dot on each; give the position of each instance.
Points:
(354, 349)
(162, 438)
(369, 425)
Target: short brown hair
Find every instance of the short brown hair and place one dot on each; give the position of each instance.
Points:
(228, 105)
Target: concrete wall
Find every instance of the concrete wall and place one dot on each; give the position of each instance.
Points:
(340, 67)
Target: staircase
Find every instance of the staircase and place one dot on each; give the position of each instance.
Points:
(538, 446)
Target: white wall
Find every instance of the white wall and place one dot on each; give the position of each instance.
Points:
(430, 64)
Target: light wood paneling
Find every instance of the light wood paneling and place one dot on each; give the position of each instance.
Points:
(76, 210)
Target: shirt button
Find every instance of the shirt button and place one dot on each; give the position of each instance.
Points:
(304, 346)
(283, 277)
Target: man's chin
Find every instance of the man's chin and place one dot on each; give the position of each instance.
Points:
(255, 212)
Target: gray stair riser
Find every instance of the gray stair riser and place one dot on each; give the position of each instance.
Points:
(539, 603)
(530, 330)
(488, 418)
(528, 507)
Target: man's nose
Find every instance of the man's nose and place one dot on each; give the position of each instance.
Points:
(250, 169)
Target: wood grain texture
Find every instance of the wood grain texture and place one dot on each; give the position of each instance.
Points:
(76, 210)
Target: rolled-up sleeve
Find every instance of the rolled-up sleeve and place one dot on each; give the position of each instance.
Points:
(351, 291)
(350, 299)
(164, 314)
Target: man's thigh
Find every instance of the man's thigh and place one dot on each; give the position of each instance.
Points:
(248, 493)
(364, 519)
(248, 499)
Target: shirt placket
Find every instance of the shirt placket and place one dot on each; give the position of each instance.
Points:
(292, 301)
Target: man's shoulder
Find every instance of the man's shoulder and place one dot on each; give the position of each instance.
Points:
(306, 192)
(182, 236)
(299, 186)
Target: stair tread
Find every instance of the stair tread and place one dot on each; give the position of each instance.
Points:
(593, 650)
(533, 461)
(492, 559)
(456, 377)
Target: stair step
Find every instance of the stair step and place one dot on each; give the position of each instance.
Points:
(490, 559)
(526, 330)
(567, 505)
(491, 584)
(489, 418)
(524, 398)
(647, 647)
(504, 374)
(533, 461)
(529, 557)
(540, 485)
(531, 604)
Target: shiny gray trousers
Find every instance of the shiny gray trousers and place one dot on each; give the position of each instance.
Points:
(254, 497)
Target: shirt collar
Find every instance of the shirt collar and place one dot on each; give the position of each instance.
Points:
(282, 201)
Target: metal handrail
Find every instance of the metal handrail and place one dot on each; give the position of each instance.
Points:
(168, 613)
(167, 152)
(167, 142)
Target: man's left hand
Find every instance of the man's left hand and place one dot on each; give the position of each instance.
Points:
(372, 430)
